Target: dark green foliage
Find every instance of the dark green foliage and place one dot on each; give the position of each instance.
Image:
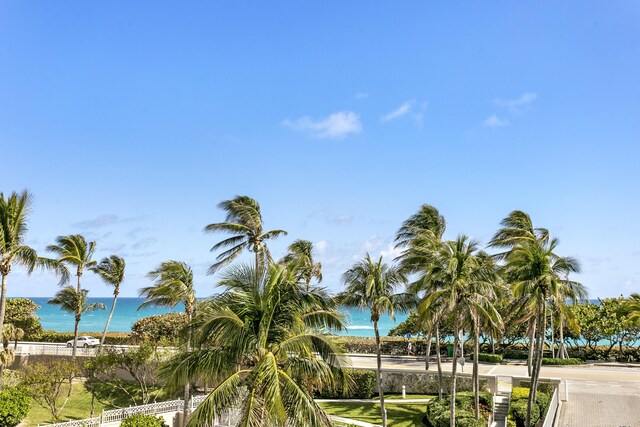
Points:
(543, 400)
(571, 361)
(14, 406)
(490, 358)
(363, 386)
(141, 420)
(21, 313)
(438, 411)
(516, 354)
(114, 338)
(163, 328)
(518, 412)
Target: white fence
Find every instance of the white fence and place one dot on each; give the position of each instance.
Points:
(227, 419)
(54, 350)
(553, 408)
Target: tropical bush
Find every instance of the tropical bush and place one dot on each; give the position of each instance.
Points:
(21, 313)
(518, 412)
(518, 409)
(362, 386)
(141, 420)
(162, 328)
(14, 406)
(556, 361)
(490, 358)
(438, 411)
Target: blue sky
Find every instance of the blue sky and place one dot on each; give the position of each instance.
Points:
(130, 122)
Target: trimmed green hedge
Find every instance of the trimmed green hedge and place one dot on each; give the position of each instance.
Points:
(14, 406)
(112, 337)
(141, 420)
(438, 411)
(363, 386)
(519, 402)
(556, 361)
(489, 358)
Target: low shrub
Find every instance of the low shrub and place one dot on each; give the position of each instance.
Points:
(556, 361)
(490, 358)
(14, 406)
(141, 420)
(516, 354)
(518, 393)
(438, 411)
(114, 338)
(518, 412)
(363, 386)
(511, 423)
(543, 399)
(159, 329)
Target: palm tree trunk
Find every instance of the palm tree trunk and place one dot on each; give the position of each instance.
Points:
(454, 368)
(531, 345)
(553, 342)
(476, 382)
(427, 351)
(540, 332)
(106, 327)
(75, 337)
(3, 302)
(438, 361)
(185, 410)
(383, 411)
(561, 347)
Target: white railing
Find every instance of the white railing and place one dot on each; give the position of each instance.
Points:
(54, 350)
(151, 409)
(553, 408)
(226, 419)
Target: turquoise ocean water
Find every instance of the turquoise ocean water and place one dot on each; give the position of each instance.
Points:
(126, 314)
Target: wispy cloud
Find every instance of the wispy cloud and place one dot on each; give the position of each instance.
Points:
(337, 125)
(518, 105)
(495, 122)
(144, 243)
(105, 220)
(100, 221)
(402, 110)
(361, 95)
(408, 108)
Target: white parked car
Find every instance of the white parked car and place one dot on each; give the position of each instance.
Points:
(85, 341)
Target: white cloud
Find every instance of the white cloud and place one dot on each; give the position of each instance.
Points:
(361, 95)
(402, 110)
(372, 244)
(321, 246)
(337, 125)
(495, 122)
(518, 105)
(390, 253)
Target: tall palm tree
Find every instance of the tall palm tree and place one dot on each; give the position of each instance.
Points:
(173, 284)
(420, 237)
(464, 283)
(537, 274)
(260, 339)
(371, 285)
(72, 301)
(111, 271)
(632, 307)
(14, 214)
(301, 252)
(244, 222)
(74, 252)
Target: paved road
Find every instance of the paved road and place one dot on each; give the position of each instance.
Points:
(599, 396)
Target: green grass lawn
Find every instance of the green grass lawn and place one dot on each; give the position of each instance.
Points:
(398, 414)
(78, 407)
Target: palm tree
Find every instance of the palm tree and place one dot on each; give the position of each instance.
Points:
(632, 307)
(464, 283)
(173, 284)
(73, 251)
(301, 252)
(371, 285)
(244, 222)
(14, 214)
(262, 337)
(420, 237)
(111, 271)
(535, 273)
(72, 301)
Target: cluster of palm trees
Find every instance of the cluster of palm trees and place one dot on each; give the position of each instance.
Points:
(266, 340)
(73, 253)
